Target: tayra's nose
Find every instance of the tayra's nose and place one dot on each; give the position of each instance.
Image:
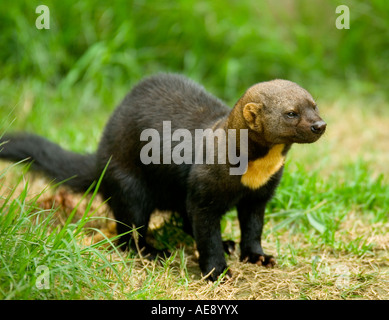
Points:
(318, 127)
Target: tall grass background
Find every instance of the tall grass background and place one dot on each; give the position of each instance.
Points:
(95, 51)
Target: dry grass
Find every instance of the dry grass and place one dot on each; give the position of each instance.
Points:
(322, 276)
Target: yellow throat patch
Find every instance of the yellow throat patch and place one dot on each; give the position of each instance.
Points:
(260, 171)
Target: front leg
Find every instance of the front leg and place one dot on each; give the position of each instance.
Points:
(206, 231)
(228, 245)
(251, 215)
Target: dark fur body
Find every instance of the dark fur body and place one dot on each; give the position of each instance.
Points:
(201, 193)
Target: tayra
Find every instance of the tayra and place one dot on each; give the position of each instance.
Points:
(273, 115)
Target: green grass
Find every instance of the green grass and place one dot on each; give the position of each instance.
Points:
(316, 207)
(29, 240)
(231, 44)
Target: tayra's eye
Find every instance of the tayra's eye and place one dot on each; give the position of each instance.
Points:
(292, 115)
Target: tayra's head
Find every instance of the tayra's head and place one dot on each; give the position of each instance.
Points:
(281, 112)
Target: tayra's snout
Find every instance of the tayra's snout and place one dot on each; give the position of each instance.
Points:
(319, 127)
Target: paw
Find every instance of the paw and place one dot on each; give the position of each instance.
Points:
(146, 251)
(214, 276)
(229, 246)
(152, 254)
(265, 260)
(213, 273)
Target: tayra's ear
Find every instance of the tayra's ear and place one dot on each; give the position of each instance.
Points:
(251, 112)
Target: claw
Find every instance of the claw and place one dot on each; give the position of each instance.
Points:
(261, 260)
(271, 263)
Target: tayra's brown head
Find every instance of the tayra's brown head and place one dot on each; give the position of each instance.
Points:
(281, 112)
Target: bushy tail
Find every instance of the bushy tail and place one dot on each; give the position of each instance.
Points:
(78, 170)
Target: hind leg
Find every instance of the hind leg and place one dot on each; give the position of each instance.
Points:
(132, 222)
(132, 208)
